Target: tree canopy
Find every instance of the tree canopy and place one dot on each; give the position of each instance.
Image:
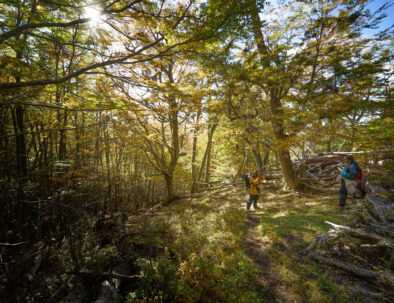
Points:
(124, 104)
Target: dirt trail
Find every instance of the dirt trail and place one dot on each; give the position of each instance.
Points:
(268, 283)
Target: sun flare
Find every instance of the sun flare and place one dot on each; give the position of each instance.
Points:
(93, 14)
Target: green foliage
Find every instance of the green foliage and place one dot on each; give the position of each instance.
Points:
(202, 262)
(160, 281)
(100, 260)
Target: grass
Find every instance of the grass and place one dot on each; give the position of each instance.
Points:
(288, 223)
(200, 254)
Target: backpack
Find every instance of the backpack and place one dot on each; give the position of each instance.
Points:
(246, 179)
(359, 173)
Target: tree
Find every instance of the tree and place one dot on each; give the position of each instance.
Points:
(118, 12)
(290, 65)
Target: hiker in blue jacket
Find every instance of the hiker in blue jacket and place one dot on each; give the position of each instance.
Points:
(348, 172)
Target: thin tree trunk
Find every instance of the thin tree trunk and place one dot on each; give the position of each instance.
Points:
(77, 142)
(97, 150)
(207, 150)
(241, 167)
(194, 154)
(257, 158)
(208, 167)
(20, 140)
(174, 126)
(266, 159)
(107, 165)
(62, 141)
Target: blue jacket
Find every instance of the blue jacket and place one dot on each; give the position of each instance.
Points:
(349, 174)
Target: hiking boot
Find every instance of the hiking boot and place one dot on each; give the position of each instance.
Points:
(257, 208)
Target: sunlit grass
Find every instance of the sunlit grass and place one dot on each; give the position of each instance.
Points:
(288, 224)
(206, 237)
(280, 214)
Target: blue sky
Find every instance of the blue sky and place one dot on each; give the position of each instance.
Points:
(386, 22)
(372, 6)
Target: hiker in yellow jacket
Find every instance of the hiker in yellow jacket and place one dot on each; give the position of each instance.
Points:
(254, 190)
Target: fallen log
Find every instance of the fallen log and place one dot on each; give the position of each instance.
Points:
(383, 278)
(380, 206)
(363, 234)
(273, 176)
(321, 241)
(328, 158)
(105, 275)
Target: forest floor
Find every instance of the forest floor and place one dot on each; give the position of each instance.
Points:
(207, 248)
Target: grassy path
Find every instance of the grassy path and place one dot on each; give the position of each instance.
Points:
(268, 283)
(208, 249)
(287, 223)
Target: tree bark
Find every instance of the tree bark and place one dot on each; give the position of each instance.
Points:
(283, 153)
(245, 158)
(194, 154)
(107, 165)
(170, 187)
(210, 136)
(62, 140)
(266, 158)
(273, 91)
(208, 167)
(257, 158)
(20, 140)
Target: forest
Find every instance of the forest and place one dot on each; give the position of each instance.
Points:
(126, 127)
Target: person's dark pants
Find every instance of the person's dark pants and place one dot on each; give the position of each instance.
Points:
(252, 199)
(342, 193)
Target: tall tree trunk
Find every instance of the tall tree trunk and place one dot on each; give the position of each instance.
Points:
(273, 91)
(20, 141)
(169, 179)
(283, 153)
(266, 159)
(241, 167)
(107, 165)
(257, 158)
(207, 150)
(97, 149)
(194, 154)
(77, 142)
(329, 145)
(208, 167)
(174, 126)
(62, 141)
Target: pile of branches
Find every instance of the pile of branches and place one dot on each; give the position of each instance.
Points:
(319, 172)
(323, 171)
(364, 248)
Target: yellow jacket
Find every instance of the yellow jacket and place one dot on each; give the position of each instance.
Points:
(255, 185)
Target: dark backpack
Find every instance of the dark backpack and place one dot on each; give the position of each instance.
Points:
(359, 173)
(246, 179)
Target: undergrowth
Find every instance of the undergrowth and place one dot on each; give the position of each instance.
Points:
(196, 252)
(196, 259)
